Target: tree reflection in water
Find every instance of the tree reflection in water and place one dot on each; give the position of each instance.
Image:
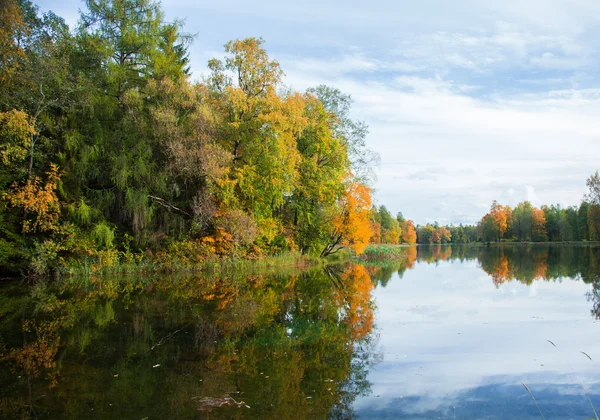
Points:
(284, 345)
(292, 345)
(522, 263)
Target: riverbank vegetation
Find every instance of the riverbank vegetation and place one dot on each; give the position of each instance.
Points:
(112, 155)
(115, 160)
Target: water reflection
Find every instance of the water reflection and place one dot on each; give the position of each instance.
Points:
(446, 331)
(466, 325)
(293, 345)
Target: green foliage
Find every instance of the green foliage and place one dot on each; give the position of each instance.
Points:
(144, 159)
(384, 252)
(103, 235)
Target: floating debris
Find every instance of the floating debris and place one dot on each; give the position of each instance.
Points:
(207, 404)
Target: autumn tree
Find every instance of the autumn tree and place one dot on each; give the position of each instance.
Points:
(441, 235)
(351, 227)
(409, 234)
(538, 225)
(494, 224)
(375, 221)
(499, 214)
(259, 129)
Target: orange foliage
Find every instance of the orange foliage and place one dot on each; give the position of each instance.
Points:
(538, 222)
(501, 271)
(500, 215)
(441, 235)
(40, 353)
(352, 226)
(376, 229)
(355, 297)
(409, 234)
(40, 201)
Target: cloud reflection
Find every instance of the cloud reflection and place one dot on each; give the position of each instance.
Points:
(464, 327)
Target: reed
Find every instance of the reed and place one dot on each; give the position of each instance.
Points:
(577, 377)
(534, 401)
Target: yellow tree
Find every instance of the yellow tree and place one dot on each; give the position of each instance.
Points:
(258, 127)
(16, 132)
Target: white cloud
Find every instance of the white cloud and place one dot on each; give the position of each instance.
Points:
(505, 90)
(525, 142)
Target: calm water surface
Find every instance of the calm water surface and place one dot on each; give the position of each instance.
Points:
(451, 332)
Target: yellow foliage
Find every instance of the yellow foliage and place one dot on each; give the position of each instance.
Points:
(16, 132)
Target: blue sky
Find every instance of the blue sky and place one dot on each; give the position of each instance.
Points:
(467, 101)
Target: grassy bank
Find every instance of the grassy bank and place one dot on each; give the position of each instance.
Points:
(385, 252)
(122, 264)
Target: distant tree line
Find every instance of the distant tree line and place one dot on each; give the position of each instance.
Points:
(525, 223)
(387, 229)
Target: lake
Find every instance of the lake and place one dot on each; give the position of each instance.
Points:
(449, 332)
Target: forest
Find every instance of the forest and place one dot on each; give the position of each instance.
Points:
(112, 154)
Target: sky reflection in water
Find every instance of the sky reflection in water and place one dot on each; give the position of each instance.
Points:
(458, 341)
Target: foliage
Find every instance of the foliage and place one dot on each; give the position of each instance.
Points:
(351, 225)
(385, 252)
(150, 159)
(39, 203)
(524, 223)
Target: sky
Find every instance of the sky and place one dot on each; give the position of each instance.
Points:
(467, 101)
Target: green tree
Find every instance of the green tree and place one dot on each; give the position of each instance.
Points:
(117, 165)
(522, 220)
(582, 221)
